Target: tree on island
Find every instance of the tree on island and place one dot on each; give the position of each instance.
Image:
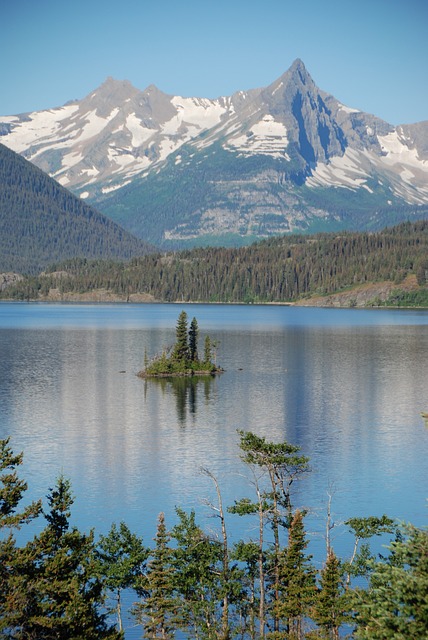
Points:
(182, 359)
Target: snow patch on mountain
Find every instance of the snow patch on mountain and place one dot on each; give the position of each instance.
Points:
(266, 137)
(139, 133)
(201, 113)
(35, 128)
(396, 151)
(346, 109)
(340, 171)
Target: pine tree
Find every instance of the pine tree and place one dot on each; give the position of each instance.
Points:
(181, 347)
(283, 464)
(57, 592)
(193, 340)
(121, 557)
(12, 489)
(196, 561)
(157, 610)
(395, 605)
(296, 580)
(329, 609)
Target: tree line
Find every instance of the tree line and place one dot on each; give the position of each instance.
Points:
(281, 269)
(63, 583)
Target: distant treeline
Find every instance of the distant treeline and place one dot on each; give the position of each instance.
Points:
(281, 269)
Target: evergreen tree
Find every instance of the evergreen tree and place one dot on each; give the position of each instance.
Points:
(12, 489)
(181, 347)
(122, 557)
(363, 529)
(157, 610)
(196, 561)
(395, 606)
(329, 610)
(296, 582)
(193, 340)
(57, 592)
(248, 605)
(283, 464)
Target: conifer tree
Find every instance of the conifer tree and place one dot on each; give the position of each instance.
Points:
(329, 609)
(193, 340)
(395, 606)
(122, 557)
(58, 593)
(181, 347)
(12, 489)
(296, 579)
(157, 611)
(196, 560)
(283, 464)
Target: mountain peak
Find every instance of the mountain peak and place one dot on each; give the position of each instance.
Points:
(299, 73)
(298, 65)
(113, 86)
(109, 95)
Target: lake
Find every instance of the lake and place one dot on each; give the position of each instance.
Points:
(346, 385)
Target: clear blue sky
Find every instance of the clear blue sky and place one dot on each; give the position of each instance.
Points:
(370, 54)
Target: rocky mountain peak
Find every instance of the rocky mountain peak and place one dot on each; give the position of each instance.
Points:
(109, 95)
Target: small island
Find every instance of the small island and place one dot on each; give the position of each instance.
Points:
(182, 359)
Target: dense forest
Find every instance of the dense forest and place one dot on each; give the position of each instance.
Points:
(281, 269)
(63, 583)
(41, 222)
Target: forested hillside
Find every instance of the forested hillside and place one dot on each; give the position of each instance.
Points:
(283, 269)
(41, 222)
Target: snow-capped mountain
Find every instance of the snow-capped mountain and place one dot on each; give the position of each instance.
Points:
(285, 157)
(99, 143)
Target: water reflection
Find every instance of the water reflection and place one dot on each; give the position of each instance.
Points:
(185, 391)
(349, 396)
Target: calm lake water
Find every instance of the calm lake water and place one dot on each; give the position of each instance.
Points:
(347, 386)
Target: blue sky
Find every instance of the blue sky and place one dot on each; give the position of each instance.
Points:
(370, 54)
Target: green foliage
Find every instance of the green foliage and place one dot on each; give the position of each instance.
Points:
(197, 560)
(395, 606)
(296, 581)
(193, 340)
(363, 529)
(53, 589)
(12, 489)
(281, 269)
(121, 559)
(157, 612)
(331, 604)
(182, 359)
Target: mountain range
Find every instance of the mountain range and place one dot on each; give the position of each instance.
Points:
(176, 171)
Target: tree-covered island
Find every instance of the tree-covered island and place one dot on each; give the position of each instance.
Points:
(182, 359)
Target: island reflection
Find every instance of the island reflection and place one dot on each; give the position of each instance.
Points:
(185, 389)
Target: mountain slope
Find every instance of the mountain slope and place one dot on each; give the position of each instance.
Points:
(287, 157)
(42, 223)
